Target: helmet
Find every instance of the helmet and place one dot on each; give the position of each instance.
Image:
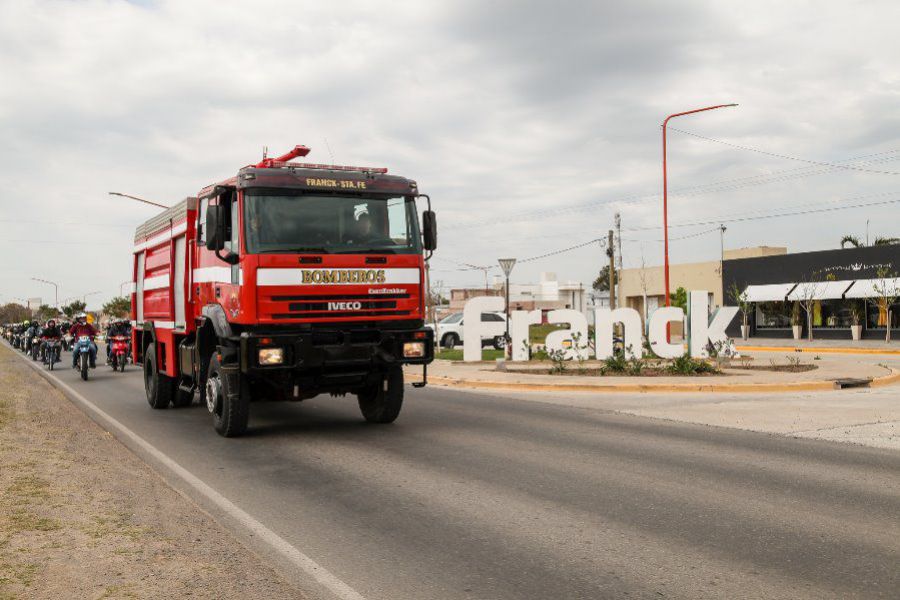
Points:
(26, 322)
(51, 323)
(81, 317)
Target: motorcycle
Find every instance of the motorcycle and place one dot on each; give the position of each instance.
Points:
(35, 348)
(82, 352)
(118, 353)
(52, 349)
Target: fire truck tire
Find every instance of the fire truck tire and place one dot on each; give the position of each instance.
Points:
(230, 412)
(159, 388)
(382, 403)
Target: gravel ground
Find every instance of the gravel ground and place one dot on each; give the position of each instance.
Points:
(82, 517)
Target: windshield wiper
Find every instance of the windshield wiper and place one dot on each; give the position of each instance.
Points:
(298, 249)
(368, 251)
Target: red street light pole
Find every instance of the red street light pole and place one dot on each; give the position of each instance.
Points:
(666, 191)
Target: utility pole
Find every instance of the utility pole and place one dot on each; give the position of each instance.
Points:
(722, 230)
(619, 249)
(611, 253)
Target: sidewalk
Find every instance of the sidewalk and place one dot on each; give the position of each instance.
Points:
(829, 367)
(823, 346)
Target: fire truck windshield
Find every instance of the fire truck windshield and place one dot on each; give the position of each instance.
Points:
(289, 222)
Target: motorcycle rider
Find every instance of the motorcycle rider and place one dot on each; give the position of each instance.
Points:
(50, 332)
(117, 327)
(79, 328)
(30, 332)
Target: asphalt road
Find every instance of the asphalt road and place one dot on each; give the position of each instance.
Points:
(489, 496)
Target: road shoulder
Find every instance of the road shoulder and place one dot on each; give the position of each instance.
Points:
(81, 516)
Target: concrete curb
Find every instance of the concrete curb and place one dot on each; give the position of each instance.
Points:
(814, 350)
(795, 386)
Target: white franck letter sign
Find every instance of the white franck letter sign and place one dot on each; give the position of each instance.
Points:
(701, 329)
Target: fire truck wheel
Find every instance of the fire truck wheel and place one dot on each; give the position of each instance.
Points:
(230, 412)
(159, 388)
(382, 403)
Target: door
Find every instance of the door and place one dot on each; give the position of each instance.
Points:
(139, 289)
(178, 282)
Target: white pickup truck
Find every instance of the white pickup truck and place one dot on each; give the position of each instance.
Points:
(450, 330)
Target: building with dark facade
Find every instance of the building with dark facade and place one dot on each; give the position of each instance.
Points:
(841, 286)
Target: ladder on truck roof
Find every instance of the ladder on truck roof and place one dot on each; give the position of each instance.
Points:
(166, 218)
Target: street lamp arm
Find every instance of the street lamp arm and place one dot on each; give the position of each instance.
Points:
(696, 110)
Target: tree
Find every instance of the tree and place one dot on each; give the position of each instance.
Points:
(887, 290)
(118, 307)
(601, 283)
(852, 240)
(679, 298)
(44, 312)
(808, 296)
(73, 308)
(879, 241)
(886, 241)
(740, 298)
(14, 313)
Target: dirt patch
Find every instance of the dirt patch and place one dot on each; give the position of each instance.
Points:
(82, 517)
(777, 368)
(594, 372)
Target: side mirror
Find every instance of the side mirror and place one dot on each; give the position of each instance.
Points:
(429, 230)
(215, 227)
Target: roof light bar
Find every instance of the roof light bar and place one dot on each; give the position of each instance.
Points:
(334, 167)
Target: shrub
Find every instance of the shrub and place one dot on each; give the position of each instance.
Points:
(687, 365)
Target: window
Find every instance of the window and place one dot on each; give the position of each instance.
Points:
(284, 221)
(201, 221)
(491, 318)
(454, 318)
(773, 315)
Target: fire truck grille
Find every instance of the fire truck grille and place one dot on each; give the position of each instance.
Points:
(338, 313)
(324, 307)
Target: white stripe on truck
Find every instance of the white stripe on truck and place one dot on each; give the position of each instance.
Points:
(269, 277)
(156, 283)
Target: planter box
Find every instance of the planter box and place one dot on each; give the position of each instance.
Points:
(798, 331)
(856, 331)
(745, 332)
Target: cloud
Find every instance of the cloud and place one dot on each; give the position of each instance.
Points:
(529, 123)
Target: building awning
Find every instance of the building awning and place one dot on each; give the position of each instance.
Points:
(820, 290)
(869, 288)
(773, 292)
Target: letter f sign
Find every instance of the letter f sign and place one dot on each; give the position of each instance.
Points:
(703, 330)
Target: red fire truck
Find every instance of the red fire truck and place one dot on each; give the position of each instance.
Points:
(286, 281)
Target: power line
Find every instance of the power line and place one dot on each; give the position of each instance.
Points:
(784, 156)
(564, 250)
(772, 216)
(708, 188)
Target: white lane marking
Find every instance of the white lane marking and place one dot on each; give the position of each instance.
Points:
(322, 575)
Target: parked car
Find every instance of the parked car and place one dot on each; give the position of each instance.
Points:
(450, 330)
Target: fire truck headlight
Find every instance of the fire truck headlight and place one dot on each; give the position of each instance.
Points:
(413, 349)
(271, 356)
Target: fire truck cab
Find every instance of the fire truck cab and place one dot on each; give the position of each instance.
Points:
(286, 281)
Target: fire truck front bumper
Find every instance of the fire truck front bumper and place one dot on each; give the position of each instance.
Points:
(334, 351)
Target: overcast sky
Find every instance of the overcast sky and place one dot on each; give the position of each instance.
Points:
(529, 124)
